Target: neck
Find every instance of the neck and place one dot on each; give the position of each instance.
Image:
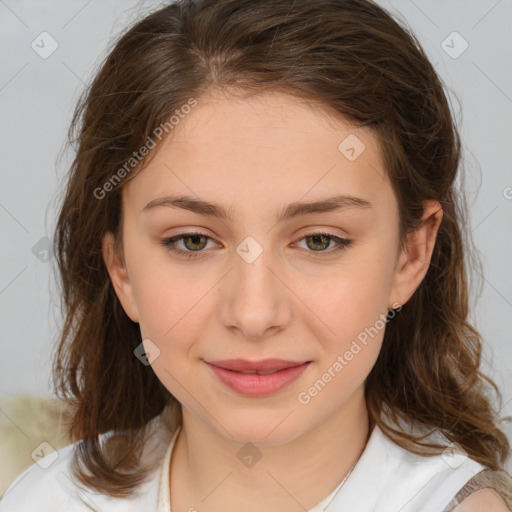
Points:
(207, 473)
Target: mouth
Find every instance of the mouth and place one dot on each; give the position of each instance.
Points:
(257, 378)
(262, 367)
(259, 372)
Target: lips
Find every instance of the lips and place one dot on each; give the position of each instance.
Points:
(263, 367)
(257, 378)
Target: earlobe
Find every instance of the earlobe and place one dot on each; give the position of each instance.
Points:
(415, 257)
(119, 277)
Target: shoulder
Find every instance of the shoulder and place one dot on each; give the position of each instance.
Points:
(46, 485)
(487, 490)
(404, 480)
(482, 501)
(50, 486)
(427, 482)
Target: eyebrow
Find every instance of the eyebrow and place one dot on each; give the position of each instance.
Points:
(330, 204)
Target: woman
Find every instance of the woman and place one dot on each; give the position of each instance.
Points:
(263, 268)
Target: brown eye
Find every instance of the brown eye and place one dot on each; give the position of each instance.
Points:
(198, 242)
(193, 244)
(319, 242)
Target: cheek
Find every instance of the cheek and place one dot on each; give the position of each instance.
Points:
(166, 308)
(171, 305)
(169, 316)
(352, 307)
(160, 291)
(355, 314)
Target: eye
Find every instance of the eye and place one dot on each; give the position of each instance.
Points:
(195, 243)
(319, 241)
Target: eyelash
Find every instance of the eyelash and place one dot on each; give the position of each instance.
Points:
(169, 243)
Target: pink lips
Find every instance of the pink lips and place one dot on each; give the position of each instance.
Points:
(273, 374)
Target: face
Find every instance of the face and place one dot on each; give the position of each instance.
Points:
(309, 286)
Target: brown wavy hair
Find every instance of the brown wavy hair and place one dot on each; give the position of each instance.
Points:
(354, 59)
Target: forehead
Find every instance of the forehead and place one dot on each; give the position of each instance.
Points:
(269, 148)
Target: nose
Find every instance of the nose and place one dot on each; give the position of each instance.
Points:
(255, 298)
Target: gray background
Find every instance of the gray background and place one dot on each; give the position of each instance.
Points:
(37, 97)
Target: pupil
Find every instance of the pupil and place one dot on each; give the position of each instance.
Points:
(317, 237)
(194, 239)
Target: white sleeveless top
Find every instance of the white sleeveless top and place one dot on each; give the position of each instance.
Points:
(387, 478)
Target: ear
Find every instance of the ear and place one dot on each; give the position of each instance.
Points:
(414, 259)
(119, 277)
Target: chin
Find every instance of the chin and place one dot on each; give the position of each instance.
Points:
(272, 429)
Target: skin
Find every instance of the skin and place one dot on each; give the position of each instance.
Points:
(297, 300)
(483, 501)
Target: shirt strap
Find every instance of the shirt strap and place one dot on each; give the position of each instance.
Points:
(499, 480)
